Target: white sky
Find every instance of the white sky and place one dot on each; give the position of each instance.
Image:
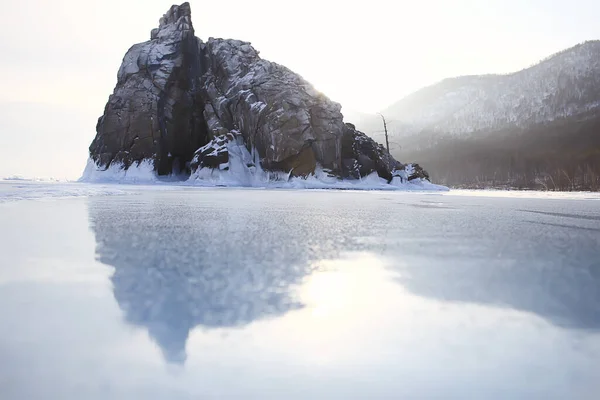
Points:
(60, 58)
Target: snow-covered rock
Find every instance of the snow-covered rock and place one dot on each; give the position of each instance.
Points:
(182, 104)
(225, 161)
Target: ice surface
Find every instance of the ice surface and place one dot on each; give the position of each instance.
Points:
(30, 189)
(185, 293)
(22, 178)
(527, 194)
(11, 191)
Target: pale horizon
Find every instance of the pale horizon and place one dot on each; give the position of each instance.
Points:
(61, 58)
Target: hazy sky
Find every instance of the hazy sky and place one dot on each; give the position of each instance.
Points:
(60, 58)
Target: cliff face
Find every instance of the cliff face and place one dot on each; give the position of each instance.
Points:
(176, 95)
(155, 112)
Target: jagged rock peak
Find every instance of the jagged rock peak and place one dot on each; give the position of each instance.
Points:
(177, 18)
(154, 113)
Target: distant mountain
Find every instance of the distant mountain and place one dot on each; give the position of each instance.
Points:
(546, 117)
(565, 84)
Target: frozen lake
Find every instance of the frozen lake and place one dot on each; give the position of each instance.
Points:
(123, 292)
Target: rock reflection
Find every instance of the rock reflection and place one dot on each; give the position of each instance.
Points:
(226, 259)
(555, 279)
(179, 264)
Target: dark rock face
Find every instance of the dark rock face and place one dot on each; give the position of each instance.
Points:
(176, 94)
(363, 156)
(154, 112)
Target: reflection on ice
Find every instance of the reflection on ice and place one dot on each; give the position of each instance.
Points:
(544, 273)
(178, 266)
(346, 295)
(344, 285)
(226, 258)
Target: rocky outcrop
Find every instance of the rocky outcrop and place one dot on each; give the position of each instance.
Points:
(180, 101)
(362, 156)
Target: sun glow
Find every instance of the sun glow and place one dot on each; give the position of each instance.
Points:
(338, 291)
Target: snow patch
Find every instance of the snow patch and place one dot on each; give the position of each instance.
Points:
(116, 173)
(243, 170)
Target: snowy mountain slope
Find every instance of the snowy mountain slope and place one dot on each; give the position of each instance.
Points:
(563, 85)
(538, 128)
